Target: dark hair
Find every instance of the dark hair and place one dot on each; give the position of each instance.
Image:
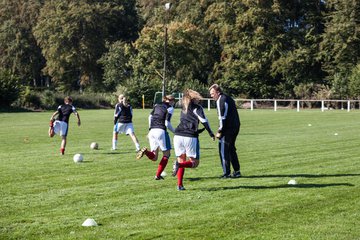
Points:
(216, 87)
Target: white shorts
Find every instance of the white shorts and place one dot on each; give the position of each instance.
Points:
(187, 145)
(159, 138)
(126, 128)
(60, 128)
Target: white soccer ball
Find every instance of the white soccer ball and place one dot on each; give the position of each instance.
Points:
(94, 145)
(78, 158)
(163, 174)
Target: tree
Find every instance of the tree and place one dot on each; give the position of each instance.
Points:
(72, 35)
(268, 46)
(10, 88)
(115, 63)
(19, 52)
(340, 47)
(189, 59)
(354, 83)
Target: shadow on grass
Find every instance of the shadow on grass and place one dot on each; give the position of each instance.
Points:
(302, 175)
(279, 186)
(97, 152)
(282, 176)
(253, 134)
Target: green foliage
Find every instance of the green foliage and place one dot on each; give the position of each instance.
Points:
(258, 49)
(19, 52)
(189, 55)
(72, 35)
(340, 47)
(48, 99)
(30, 99)
(10, 88)
(116, 64)
(354, 82)
(268, 47)
(312, 91)
(340, 85)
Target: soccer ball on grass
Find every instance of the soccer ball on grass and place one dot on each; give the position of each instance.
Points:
(78, 158)
(94, 145)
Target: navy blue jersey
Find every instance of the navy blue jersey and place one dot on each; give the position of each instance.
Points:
(189, 121)
(161, 112)
(229, 119)
(122, 113)
(65, 112)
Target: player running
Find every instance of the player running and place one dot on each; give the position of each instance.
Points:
(186, 139)
(159, 122)
(61, 125)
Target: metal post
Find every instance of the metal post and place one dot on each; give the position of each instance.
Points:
(164, 70)
(167, 8)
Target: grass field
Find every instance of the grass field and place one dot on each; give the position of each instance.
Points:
(48, 196)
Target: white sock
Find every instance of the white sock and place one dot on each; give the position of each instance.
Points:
(137, 145)
(114, 144)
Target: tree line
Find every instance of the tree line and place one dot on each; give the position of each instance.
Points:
(305, 49)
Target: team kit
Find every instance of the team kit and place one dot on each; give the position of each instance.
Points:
(186, 134)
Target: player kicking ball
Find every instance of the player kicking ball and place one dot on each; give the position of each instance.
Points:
(159, 122)
(61, 125)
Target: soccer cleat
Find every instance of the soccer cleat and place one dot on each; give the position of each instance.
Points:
(180, 188)
(175, 168)
(141, 153)
(225, 176)
(236, 174)
(158, 178)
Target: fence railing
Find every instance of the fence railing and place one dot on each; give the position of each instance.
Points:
(298, 104)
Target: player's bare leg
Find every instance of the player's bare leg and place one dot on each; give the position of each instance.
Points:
(136, 141)
(63, 145)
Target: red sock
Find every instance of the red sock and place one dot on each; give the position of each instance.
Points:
(150, 155)
(162, 165)
(180, 176)
(62, 150)
(187, 164)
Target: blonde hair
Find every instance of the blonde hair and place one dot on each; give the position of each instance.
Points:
(68, 99)
(190, 96)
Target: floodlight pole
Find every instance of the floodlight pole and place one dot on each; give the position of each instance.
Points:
(167, 8)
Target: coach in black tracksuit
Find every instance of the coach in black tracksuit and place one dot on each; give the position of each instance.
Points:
(229, 127)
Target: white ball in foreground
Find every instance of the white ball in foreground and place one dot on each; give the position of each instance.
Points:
(78, 158)
(163, 174)
(94, 145)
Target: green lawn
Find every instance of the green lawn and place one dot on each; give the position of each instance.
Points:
(48, 196)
